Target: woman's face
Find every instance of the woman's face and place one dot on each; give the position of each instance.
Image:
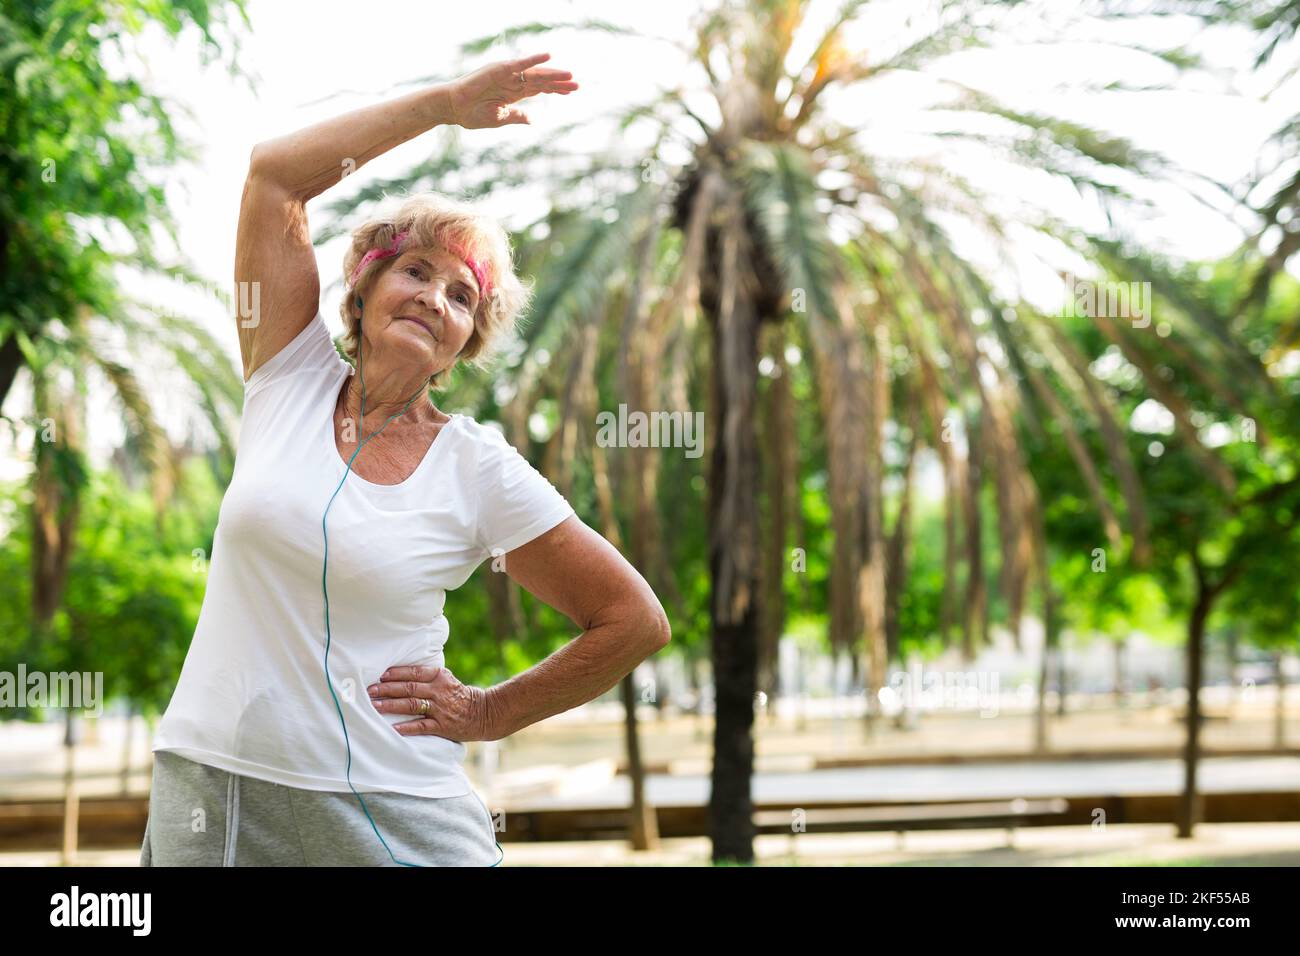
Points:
(421, 311)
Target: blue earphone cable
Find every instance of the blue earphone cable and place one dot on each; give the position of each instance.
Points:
(325, 590)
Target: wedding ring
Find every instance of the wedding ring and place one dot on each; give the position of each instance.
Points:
(424, 707)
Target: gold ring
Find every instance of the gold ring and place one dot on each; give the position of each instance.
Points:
(424, 707)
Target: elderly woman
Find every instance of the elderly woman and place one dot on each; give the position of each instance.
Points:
(315, 722)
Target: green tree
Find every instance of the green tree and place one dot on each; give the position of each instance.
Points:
(1221, 470)
(659, 273)
(83, 158)
(133, 590)
(84, 155)
(83, 161)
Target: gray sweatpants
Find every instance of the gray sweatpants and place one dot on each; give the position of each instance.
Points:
(202, 816)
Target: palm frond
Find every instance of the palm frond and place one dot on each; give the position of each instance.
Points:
(157, 452)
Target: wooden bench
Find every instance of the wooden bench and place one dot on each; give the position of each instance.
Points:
(988, 814)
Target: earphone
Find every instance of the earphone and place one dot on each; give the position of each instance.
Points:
(325, 590)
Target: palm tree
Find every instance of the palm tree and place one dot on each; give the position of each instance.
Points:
(1276, 231)
(73, 172)
(1279, 212)
(1232, 360)
(60, 364)
(779, 216)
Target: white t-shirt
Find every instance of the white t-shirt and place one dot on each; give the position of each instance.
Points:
(252, 697)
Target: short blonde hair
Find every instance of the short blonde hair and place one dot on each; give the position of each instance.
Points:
(436, 221)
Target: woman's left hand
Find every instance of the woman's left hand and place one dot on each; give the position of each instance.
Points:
(439, 704)
(481, 100)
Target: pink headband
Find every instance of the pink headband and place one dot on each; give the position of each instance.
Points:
(479, 270)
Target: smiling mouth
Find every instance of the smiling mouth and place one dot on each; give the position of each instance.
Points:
(409, 318)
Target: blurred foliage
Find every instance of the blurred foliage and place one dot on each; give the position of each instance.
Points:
(1240, 528)
(133, 594)
(85, 149)
(82, 160)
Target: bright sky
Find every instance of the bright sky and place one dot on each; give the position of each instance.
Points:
(302, 52)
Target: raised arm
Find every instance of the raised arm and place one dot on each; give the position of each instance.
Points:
(277, 284)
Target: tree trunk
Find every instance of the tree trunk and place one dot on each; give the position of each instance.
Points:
(505, 610)
(1189, 805)
(71, 796)
(1040, 712)
(896, 569)
(640, 464)
(1060, 676)
(778, 461)
(644, 823)
(11, 360)
(643, 827)
(734, 556)
(1234, 665)
(1050, 649)
(56, 504)
(872, 575)
(1279, 708)
(842, 380)
(975, 626)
